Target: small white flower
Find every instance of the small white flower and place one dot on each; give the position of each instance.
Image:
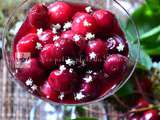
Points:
(54, 30)
(88, 79)
(57, 45)
(120, 47)
(89, 71)
(70, 62)
(90, 36)
(92, 55)
(67, 26)
(39, 31)
(112, 43)
(89, 9)
(61, 96)
(57, 73)
(56, 37)
(79, 96)
(83, 63)
(47, 96)
(71, 70)
(86, 23)
(106, 75)
(94, 73)
(38, 46)
(57, 26)
(34, 87)
(76, 37)
(30, 91)
(62, 68)
(29, 82)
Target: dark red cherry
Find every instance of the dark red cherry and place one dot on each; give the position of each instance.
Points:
(38, 16)
(96, 52)
(31, 69)
(28, 44)
(48, 92)
(63, 80)
(116, 65)
(46, 37)
(51, 56)
(78, 39)
(117, 44)
(105, 19)
(84, 23)
(60, 12)
(150, 115)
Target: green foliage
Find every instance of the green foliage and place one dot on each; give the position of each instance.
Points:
(147, 19)
(126, 90)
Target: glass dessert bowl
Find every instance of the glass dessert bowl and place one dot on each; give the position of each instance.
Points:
(70, 53)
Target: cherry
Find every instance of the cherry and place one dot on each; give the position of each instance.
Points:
(84, 23)
(105, 19)
(90, 87)
(51, 56)
(117, 30)
(63, 80)
(38, 16)
(150, 115)
(31, 69)
(117, 44)
(116, 65)
(48, 92)
(96, 52)
(46, 37)
(25, 29)
(78, 39)
(28, 44)
(134, 116)
(60, 12)
(142, 103)
(67, 46)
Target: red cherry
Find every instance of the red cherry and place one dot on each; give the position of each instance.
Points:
(117, 30)
(28, 44)
(78, 39)
(105, 19)
(134, 116)
(46, 37)
(116, 65)
(67, 46)
(48, 92)
(84, 23)
(142, 103)
(117, 44)
(31, 69)
(150, 115)
(25, 29)
(63, 81)
(60, 12)
(38, 16)
(96, 52)
(51, 56)
(90, 87)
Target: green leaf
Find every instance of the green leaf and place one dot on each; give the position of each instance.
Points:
(126, 90)
(152, 35)
(144, 61)
(154, 5)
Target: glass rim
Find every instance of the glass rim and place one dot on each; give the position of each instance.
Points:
(6, 28)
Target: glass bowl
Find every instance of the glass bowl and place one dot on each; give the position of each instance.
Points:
(20, 65)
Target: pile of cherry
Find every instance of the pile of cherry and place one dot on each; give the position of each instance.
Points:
(77, 52)
(150, 114)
